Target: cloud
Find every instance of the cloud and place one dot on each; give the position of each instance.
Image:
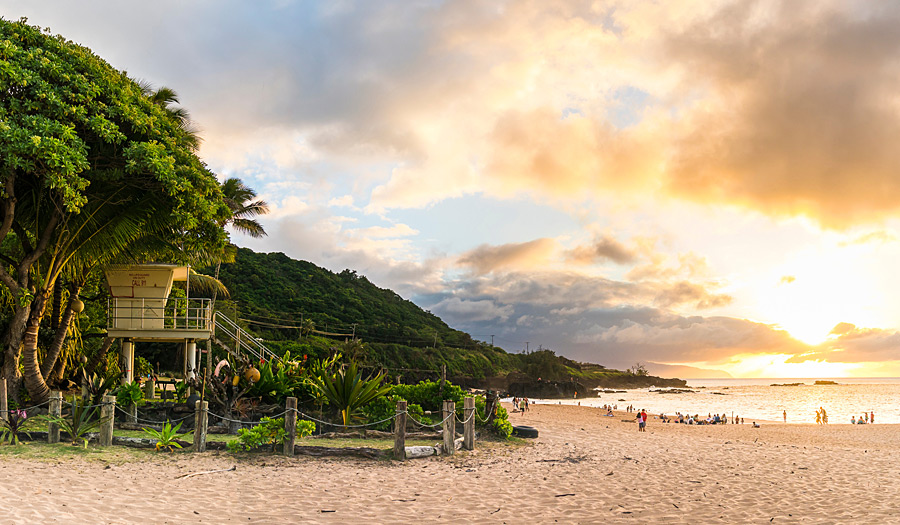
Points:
(854, 345)
(794, 109)
(485, 258)
(787, 279)
(686, 292)
(876, 237)
(468, 311)
(602, 248)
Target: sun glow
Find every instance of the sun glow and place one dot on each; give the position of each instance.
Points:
(775, 365)
(814, 292)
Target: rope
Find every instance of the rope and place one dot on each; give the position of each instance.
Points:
(152, 422)
(468, 418)
(345, 426)
(26, 408)
(452, 414)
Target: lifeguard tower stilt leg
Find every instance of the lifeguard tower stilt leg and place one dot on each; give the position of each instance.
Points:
(128, 358)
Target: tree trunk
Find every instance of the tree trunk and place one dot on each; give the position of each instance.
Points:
(59, 337)
(12, 351)
(34, 380)
(98, 356)
(56, 309)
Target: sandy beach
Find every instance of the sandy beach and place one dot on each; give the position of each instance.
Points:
(584, 468)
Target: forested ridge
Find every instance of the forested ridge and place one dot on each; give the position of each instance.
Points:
(272, 290)
(299, 307)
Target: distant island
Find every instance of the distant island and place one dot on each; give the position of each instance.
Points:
(826, 383)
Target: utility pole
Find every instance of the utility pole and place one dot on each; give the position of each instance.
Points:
(492, 340)
(526, 346)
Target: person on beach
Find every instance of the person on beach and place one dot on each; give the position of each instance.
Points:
(785, 416)
(872, 417)
(852, 420)
(642, 421)
(818, 418)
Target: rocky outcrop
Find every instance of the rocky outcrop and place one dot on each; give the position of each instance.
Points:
(548, 389)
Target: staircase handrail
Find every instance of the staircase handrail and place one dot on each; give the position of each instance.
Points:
(247, 344)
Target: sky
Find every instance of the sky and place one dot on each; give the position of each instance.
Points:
(707, 187)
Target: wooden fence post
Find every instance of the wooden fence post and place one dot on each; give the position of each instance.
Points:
(132, 413)
(290, 425)
(400, 431)
(449, 429)
(469, 426)
(201, 424)
(55, 410)
(150, 388)
(107, 419)
(4, 403)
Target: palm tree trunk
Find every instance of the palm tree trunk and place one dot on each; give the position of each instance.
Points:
(34, 381)
(61, 331)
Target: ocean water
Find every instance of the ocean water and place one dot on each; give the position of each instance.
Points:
(757, 400)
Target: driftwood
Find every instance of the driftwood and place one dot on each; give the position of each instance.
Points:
(207, 472)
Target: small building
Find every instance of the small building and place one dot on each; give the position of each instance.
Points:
(140, 309)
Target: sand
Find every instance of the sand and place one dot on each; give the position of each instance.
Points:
(584, 468)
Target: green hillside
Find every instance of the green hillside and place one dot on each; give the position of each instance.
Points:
(276, 297)
(272, 290)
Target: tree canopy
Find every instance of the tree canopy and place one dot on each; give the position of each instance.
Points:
(92, 170)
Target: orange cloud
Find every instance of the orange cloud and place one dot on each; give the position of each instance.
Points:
(486, 259)
(602, 248)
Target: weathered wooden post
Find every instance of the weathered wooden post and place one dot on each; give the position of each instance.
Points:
(400, 431)
(150, 388)
(469, 426)
(107, 419)
(132, 413)
(4, 403)
(55, 411)
(449, 429)
(201, 424)
(290, 425)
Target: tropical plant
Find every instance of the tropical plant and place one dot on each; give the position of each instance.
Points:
(130, 394)
(142, 367)
(82, 420)
(348, 391)
(166, 438)
(181, 390)
(269, 432)
(501, 425)
(97, 385)
(305, 428)
(12, 425)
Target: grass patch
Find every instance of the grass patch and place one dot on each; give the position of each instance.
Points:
(39, 451)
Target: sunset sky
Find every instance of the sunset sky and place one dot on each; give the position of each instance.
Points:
(705, 183)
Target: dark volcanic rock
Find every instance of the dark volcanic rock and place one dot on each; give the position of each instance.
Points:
(548, 389)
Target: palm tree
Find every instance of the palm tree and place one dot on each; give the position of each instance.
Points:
(239, 199)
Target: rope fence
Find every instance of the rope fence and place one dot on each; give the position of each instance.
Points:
(108, 409)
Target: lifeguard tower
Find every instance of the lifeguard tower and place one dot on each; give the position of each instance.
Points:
(140, 309)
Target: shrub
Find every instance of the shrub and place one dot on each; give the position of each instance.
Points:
(269, 432)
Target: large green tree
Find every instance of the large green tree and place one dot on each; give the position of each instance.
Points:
(92, 170)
